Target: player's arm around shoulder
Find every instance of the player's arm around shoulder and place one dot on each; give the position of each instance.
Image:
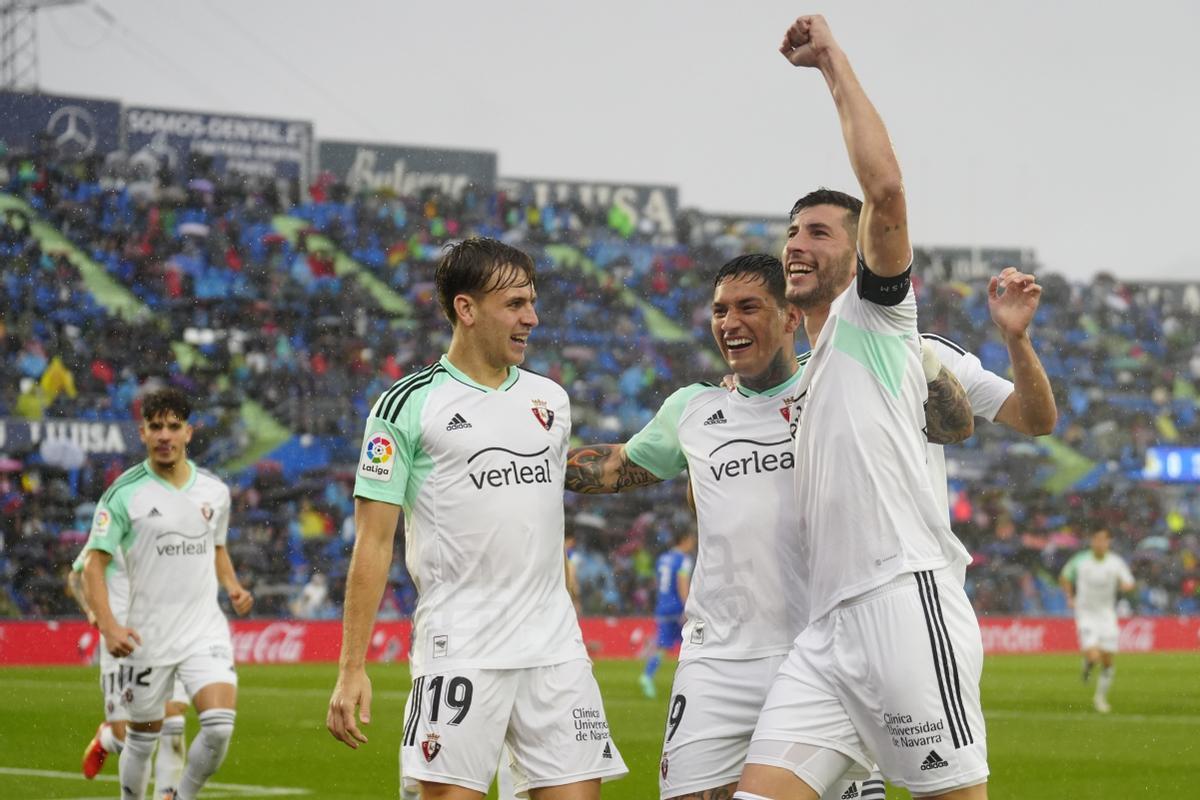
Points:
(949, 417)
(605, 469)
(375, 528)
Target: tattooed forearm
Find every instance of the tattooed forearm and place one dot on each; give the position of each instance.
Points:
(948, 414)
(585, 468)
(603, 468)
(631, 476)
(720, 793)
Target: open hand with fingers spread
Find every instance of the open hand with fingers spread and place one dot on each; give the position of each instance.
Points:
(808, 42)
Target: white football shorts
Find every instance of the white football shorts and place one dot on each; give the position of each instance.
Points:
(1098, 631)
(890, 676)
(146, 693)
(551, 719)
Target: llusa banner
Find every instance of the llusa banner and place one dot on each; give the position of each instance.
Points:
(293, 642)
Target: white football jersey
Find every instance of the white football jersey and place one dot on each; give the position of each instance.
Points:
(748, 595)
(479, 472)
(1097, 582)
(986, 392)
(167, 537)
(867, 510)
(115, 578)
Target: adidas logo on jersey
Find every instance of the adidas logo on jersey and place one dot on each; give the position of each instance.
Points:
(933, 761)
(457, 423)
(607, 750)
(716, 419)
(851, 792)
(154, 512)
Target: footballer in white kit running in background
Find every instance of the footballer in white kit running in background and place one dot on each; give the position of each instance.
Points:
(1093, 580)
(473, 450)
(167, 520)
(110, 735)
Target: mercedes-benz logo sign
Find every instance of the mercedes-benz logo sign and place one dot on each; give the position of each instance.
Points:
(74, 130)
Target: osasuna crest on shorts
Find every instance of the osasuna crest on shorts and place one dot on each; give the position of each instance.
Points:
(479, 473)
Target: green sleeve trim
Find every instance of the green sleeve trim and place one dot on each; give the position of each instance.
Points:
(1071, 570)
(656, 447)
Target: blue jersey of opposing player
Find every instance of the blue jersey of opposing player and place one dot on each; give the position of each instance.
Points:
(670, 566)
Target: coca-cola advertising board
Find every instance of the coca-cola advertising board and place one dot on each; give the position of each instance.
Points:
(293, 642)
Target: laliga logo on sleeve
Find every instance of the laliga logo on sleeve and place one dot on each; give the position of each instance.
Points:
(100, 525)
(376, 462)
(544, 415)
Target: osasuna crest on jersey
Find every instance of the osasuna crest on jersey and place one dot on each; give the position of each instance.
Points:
(206, 511)
(543, 413)
(430, 747)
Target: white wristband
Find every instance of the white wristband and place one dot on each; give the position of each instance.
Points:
(929, 362)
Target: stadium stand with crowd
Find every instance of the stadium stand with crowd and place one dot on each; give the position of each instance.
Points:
(284, 319)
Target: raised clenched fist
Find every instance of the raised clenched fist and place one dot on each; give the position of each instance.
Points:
(808, 42)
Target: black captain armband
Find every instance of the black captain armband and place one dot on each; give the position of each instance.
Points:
(882, 291)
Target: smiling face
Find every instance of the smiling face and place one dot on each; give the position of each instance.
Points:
(500, 321)
(818, 257)
(750, 327)
(166, 437)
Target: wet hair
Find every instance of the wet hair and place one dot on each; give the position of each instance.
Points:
(476, 266)
(760, 266)
(166, 401)
(831, 197)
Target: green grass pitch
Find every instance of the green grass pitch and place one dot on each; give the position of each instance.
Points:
(1044, 740)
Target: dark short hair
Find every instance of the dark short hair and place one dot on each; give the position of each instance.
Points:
(476, 266)
(166, 401)
(760, 266)
(831, 197)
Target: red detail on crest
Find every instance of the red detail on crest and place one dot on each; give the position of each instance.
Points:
(787, 413)
(544, 416)
(662, 767)
(206, 511)
(430, 748)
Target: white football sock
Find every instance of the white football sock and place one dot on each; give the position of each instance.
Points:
(207, 751)
(134, 766)
(109, 740)
(168, 764)
(1105, 682)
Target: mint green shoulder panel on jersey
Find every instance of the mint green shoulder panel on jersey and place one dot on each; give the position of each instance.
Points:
(393, 464)
(1071, 570)
(656, 447)
(883, 354)
(110, 523)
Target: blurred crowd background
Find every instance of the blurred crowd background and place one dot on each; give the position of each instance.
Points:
(285, 318)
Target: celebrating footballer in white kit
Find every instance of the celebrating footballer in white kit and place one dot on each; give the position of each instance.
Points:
(168, 520)
(474, 450)
(888, 668)
(747, 599)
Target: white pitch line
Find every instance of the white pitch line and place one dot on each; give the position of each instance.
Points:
(239, 789)
(1092, 716)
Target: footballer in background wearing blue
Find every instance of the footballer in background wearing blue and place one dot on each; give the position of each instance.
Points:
(474, 451)
(673, 569)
